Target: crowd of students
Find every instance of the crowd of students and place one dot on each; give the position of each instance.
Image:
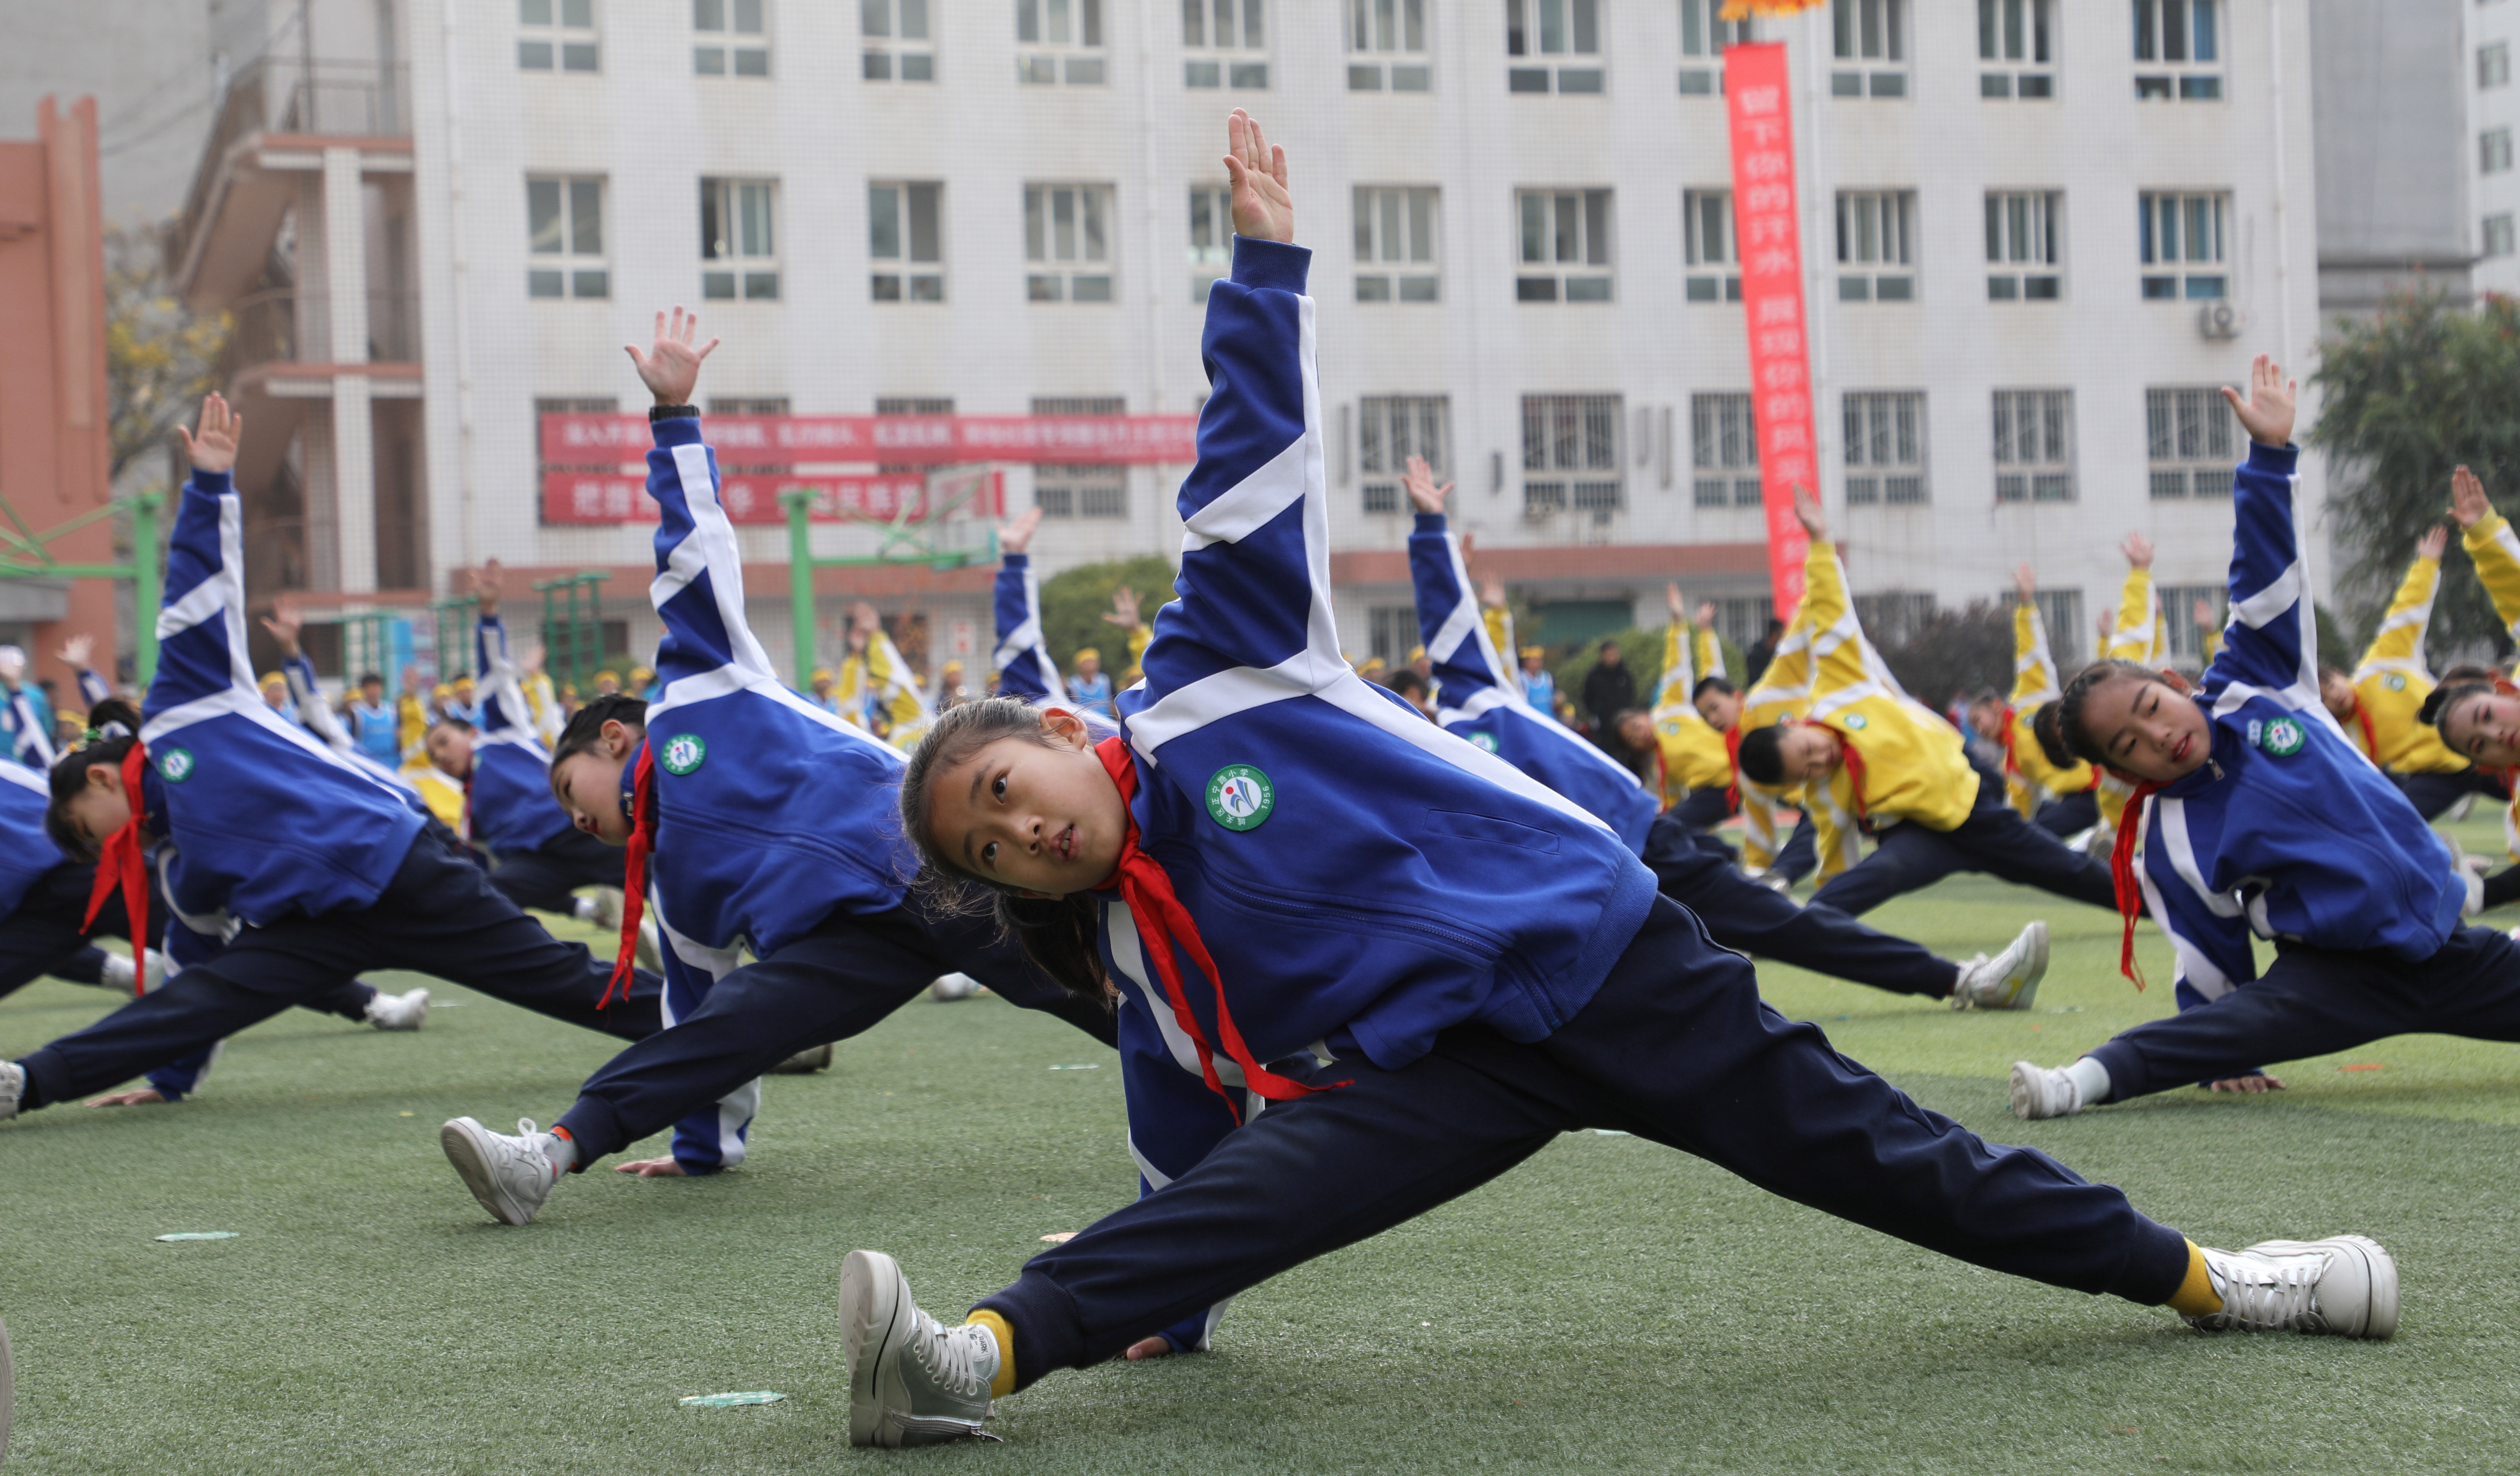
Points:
(1363, 940)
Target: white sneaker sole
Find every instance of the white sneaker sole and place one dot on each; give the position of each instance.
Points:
(2366, 1268)
(875, 1316)
(2035, 970)
(2029, 1094)
(462, 1140)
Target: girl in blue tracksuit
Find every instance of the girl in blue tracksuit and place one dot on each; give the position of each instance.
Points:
(321, 869)
(2260, 818)
(758, 820)
(1026, 670)
(1424, 962)
(1476, 701)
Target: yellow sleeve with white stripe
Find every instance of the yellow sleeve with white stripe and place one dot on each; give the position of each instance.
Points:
(2034, 684)
(2497, 553)
(1679, 673)
(1840, 666)
(1141, 636)
(2140, 636)
(1914, 767)
(1760, 841)
(1694, 755)
(1710, 655)
(2034, 679)
(904, 704)
(2391, 682)
(1499, 624)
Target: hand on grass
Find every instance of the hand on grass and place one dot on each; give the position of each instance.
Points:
(137, 1097)
(651, 1168)
(2247, 1086)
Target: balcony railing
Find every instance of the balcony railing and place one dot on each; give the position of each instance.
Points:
(292, 325)
(292, 95)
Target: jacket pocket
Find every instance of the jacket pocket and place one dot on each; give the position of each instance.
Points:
(1463, 825)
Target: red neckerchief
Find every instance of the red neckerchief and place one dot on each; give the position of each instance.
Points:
(2012, 765)
(2370, 739)
(633, 872)
(121, 865)
(1733, 751)
(1164, 921)
(1854, 772)
(2130, 895)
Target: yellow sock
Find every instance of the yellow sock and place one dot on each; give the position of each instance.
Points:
(2195, 1296)
(1004, 1383)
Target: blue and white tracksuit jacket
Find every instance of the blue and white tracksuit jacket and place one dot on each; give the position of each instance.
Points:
(26, 725)
(2288, 832)
(508, 796)
(772, 813)
(1477, 696)
(1486, 896)
(1024, 667)
(317, 717)
(26, 851)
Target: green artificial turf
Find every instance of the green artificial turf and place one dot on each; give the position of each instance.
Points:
(1611, 1305)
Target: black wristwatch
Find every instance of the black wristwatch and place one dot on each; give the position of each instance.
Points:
(672, 413)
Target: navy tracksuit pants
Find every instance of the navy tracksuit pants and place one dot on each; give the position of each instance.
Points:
(1748, 917)
(834, 983)
(438, 915)
(1994, 839)
(2314, 1001)
(2435, 793)
(1678, 1048)
(2070, 816)
(548, 876)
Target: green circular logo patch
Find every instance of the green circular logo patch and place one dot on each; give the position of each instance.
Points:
(1241, 796)
(176, 765)
(1485, 740)
(1857, 720)
(2394, 681)
(684, 753)
(2282, 738)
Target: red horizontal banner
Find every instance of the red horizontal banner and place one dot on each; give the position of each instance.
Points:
(595, 497)
(923, 440)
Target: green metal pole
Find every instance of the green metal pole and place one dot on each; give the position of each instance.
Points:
(143, 587)
(800, 582)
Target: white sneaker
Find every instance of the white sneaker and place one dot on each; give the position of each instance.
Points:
(2010, 979)
(607, 910)
(651, 952)
(1778, 882)
(120, 974)
(399, 1011)
(2043, 1092)
(13, 1086)
(2474, 902)
(811, 1058)
(2344, 1284)
(954, 987)
(160, 970)
(911, 1381)
(512, 1177)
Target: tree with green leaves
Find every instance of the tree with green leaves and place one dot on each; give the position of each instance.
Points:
(1073, 604)
(160, 357)
(2420, 388)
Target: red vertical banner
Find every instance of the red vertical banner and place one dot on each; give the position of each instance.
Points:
(1767, 237)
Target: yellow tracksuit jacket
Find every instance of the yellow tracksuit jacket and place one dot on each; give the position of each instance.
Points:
(2497, 565)
(1783, 690)
(1694, 754)
(2391, 682)
(2029, 779)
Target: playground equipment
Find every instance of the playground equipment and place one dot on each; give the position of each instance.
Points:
(953, 528)
(572, 629)
(25, 553)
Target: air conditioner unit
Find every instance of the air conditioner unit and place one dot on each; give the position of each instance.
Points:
(2220, 320)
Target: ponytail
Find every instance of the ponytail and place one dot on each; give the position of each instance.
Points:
(113, 726)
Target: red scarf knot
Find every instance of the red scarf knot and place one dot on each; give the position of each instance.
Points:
(634, 873)
(123, 865)
(2129, 893)
(1732, 752)
(1854, 771)
(1162, 922)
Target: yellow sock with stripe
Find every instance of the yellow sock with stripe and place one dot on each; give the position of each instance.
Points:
(1004, 1383)
(2196, 1296)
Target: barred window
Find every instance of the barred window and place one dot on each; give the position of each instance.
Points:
(2034, 445)
(2191, 441)
(1226, 42)
(1063, 490)
(1714, 253)
(2062, 612)
(1885, 448)
(2024, 231)
(1570, 454)
(1390, 429)
(1724, 450)
(1387, 40)
(1876, 246)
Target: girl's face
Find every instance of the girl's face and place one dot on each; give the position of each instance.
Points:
(2337, 693)
(588, 784)
(2484, 729)
(450, 748)
(1721, 709)
(2148, 729)
(102, 807)
(1637, 731)
(1044, 819)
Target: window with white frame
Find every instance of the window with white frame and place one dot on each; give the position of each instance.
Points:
(731, 38)
(1081, 491)
(1724, 450)
(1703, 36)
(2024, 239)
(1885, 447)
(2178, 50)
(2494, 65)
(1395, 244)
(1390, 429)
(2190, 441)
(1226, 42)
(1392, 633)
(1060, 40)
(905, 241)
(1067, 243)
(2062, 612)
(1386, 42)
(1869, 41)
(738, 240)
(2494, 150)
(2034, 445)
(556, 36)
(1742, 620)
(2179, 610)
(1714, 254)
(899, 41)
(1566, 244)
(1892, 618)
(1212, 237)
(1548, 39)
(2016, 48)
(2182, 246)
(2495, 235)
(565, 239)
(1570, 455)
(1876, 246)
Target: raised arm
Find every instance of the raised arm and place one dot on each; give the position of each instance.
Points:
(1678, 656)
(2398, 643)
(1449, 620)
(92, 685)
(1710, 646)
(2272, 642)
(1837, 651)
(200, 624)
(2034, 671)
(314, 714)
(1024, 667)
(504, 712)
(2487, 538)
(2139, 635)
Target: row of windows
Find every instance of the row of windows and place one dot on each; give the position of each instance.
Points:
(1551, 45)
(1563, 242)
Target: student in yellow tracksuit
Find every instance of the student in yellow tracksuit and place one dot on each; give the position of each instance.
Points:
(2141, 635)
(889, 683)
(2378, 705)
(1775, 858)
(1694, 762)
(1872, 757)
(2059, 801)
(2488, 540)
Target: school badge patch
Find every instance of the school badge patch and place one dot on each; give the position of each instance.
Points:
(1485, 740)
(176, 765)
(2281, 737)
(2394, 681)
(1856, 721)
(683, 753)
(1240, 797)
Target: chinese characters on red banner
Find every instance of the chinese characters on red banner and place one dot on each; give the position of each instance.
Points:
(1770, 246)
